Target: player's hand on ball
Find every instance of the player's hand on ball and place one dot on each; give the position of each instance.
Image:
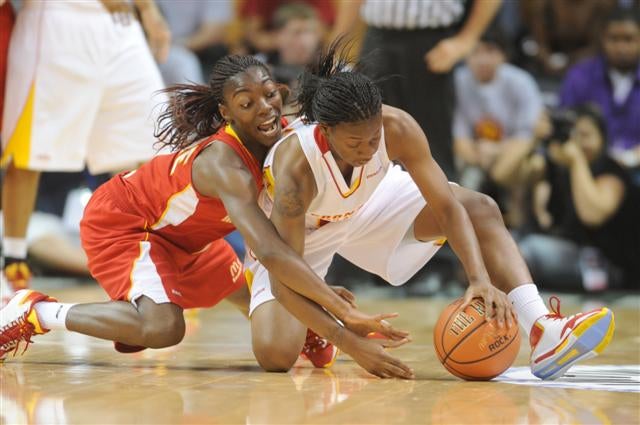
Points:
(363, 324)
(496, 303)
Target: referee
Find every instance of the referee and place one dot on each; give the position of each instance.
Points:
(413, 45)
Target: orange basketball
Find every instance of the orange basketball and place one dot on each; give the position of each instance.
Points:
(470, 347)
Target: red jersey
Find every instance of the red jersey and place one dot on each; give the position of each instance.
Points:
(162, 193)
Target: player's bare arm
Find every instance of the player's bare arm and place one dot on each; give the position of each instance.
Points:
(407, 143)
(219, 172)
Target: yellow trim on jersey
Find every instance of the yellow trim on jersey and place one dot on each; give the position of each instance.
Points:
(270, 182)
(248, 276)
(231, 132)
(19, 144)
(354, 186)
(166, 209)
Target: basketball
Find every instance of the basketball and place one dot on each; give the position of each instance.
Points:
(472, 348)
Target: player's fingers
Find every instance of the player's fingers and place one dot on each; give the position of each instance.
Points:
(500, 313)
(407, 371)
(396, 372)
(382, 316)
(390, 343)
(513, 317)
(488, 305)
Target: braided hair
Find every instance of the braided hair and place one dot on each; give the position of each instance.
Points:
(192, 113)
(333, 91)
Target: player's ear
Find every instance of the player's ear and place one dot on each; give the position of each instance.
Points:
(224, 111)
(324, 130)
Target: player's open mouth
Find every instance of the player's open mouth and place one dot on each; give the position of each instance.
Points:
(270, 127)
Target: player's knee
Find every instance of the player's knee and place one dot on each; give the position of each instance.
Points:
(165, 332)
(481, 206)
(275, 356)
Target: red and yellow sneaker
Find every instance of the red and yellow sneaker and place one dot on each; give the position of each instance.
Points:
(320, 352)
(15, 276)
(559, 342)
(19, 321)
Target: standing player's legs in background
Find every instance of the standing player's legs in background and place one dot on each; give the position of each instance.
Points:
(85, 93)
(19, 186)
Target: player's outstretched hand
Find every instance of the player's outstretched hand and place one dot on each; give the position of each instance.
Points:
(371, 355)
(496, 303)
(363, 324)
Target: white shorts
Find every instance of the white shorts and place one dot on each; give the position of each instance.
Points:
(379, 238)
(80, 89)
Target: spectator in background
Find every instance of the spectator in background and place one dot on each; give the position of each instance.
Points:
(298, 36)
(198, 31)
(612, 81)
(258, 16)
(581, 196)
(414, 45)
(564, 31)
(496, 104)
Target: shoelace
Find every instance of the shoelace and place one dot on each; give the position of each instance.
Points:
(16, 331)
(313, 342)
(555, 309)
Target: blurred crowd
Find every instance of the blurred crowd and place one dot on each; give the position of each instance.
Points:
(540, 110)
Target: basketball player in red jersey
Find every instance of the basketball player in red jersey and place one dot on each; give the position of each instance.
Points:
(153, 236)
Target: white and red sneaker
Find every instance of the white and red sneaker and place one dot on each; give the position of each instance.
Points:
(319, 351)
(14, 277)
(558, 342)
(19, 321)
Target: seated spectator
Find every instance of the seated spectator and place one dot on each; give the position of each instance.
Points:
(199, 30)
(497, 104)
(259, 17)
(612, 81)
(583, 198)
(298, 36)
(563, 31)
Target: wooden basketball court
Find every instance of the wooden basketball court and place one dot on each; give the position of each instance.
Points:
(212, 377)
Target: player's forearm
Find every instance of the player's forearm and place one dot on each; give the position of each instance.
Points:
(311, 315)
(293, 272)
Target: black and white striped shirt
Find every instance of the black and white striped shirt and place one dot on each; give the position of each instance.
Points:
(412, 14)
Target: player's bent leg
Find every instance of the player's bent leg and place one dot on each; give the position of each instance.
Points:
(277, 337)
(149, 325)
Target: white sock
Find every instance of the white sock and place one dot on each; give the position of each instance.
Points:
(14, 247)
(528, 304)
(52, 315)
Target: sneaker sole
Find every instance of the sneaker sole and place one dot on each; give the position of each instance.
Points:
(586, 341)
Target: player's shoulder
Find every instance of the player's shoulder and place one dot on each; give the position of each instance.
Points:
(395, 121)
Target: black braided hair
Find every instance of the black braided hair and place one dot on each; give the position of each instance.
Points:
(332, 90)
(192, 113)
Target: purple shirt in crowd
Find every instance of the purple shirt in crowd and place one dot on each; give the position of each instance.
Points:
(588, 82)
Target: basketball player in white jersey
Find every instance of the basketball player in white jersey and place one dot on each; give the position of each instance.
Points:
(80, 85)
(332, 188)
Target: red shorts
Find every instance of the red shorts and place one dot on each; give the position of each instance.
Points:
(129, 262)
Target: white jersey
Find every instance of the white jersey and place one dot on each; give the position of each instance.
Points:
(336, 200)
